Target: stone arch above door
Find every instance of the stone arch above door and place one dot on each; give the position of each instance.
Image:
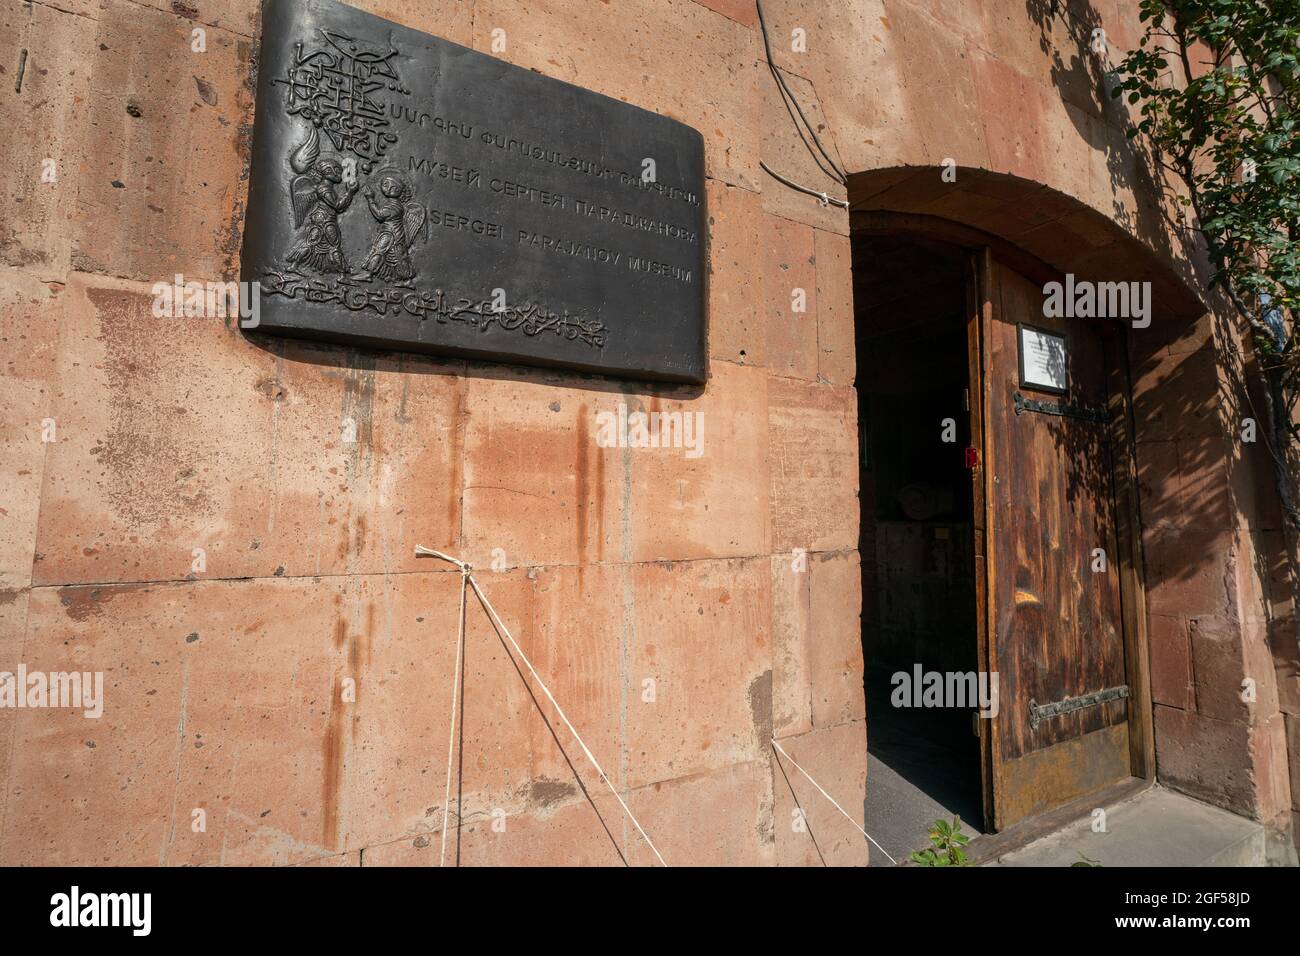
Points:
(1062, 232)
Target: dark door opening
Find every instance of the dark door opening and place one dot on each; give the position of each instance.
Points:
(912, 300)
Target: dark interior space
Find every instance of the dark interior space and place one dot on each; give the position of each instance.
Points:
(918, 580)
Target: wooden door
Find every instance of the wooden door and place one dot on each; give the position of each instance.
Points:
(1052, 612)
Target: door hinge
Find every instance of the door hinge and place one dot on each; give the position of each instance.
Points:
(1077, 410)
(1040, 712)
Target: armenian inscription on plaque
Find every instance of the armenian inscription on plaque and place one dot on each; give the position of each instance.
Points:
(410, 193)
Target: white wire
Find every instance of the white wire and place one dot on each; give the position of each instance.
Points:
(467, 576)
(487, 606)
(455, 692)
(832, 800)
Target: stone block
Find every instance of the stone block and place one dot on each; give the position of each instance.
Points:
(236, 16)
(1205, 758)
(1268, 750)
(678, 59)
(1205, 501)
(791, 614)
(331, 735)
(813, 442)
(163, 441)
(169, 196)
(835, 639)
(1178, 397)
(790, 289)
(45, 120)
(701, 632)
(1159, 484)
(809, 830)
(709, 501)
(789, 150)
(944, 106)
(737, 310)
(1013, 109)
(181, 730)
(30, 313)
(719, 818)
(537, 484)
(1218, 668)
(742, 11)
(401, 643)
(1187, 571)
(269, 458)
(579, 833)
(579, 634)
(1171, 663)
(836, 347)
(867, 107)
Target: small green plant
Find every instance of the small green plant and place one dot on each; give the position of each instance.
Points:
(1083, 860)
(948, 842)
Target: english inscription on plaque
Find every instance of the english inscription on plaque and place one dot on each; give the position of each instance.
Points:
(410, 193)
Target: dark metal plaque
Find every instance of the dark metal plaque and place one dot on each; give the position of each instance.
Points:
(410, 193)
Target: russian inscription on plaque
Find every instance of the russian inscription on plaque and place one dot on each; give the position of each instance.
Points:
(410, 193)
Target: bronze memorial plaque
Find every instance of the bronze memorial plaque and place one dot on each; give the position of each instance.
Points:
(410, 193)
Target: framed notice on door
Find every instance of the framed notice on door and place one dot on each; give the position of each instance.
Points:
(1043, 359)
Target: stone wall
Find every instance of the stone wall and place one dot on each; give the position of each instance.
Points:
(201, 532)
(1211, 532)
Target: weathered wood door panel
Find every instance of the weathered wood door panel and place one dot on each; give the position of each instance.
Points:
(1054, 624)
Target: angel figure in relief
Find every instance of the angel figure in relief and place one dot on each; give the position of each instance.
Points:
(316, 208)
(401, 221)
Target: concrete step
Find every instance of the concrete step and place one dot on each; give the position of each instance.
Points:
(1157, 827)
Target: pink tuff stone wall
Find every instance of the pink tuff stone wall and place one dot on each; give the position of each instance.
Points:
(225, 683)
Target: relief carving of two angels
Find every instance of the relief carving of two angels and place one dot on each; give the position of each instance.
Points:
(320, 192)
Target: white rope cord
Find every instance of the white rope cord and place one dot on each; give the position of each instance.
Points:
(487, 606)
(495, 619)
(455, 693)
(832, 800)
(420, 551)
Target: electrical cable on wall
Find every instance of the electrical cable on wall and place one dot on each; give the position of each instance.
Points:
(826, 200)
(819, 153)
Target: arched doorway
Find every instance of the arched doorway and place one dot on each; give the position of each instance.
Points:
(911, 301)
(1035, 571)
